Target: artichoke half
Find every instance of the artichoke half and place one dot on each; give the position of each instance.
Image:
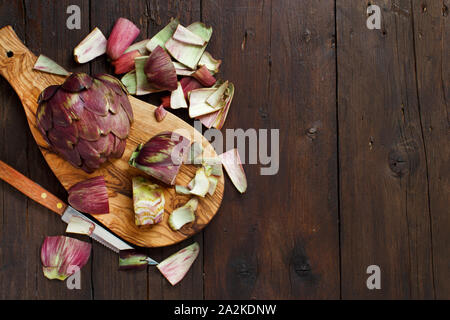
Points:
(86, 120)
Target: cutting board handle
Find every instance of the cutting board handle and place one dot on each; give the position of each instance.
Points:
(16, 66)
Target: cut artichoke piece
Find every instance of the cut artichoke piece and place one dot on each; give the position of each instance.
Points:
(45, 64)
(185, 35)
(122, 36)
(212, 64)
(233, 166)
(90, 196)
(197, 102)
(213, 166)
(217, 119)
(62, 256)
(189, 54)
(140, 46)
(148, 200)
(129, 81)
(125, 63)
(177, 100)
(204, 76)
(201, 183)
(79, 225)
(93, 46)
(183, 215)
(162, 36)
(160, 70)
(175, 267)
(195, 153)
(182, 190)
(161, 156)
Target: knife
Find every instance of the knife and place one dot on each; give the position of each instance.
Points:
(48, 200)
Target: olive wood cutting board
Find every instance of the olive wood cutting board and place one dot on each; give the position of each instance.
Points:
(16, 66)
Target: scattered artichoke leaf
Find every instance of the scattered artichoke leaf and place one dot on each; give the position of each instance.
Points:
(233, 166)
(143, 87)
(91, 47)
(79, 225)
(140, 46)
(162, 36)
(217, 119)
(160, 113)
(212, 185)
(212, 64)
(184, 35)
(201, 183)
(62, 256)
(161, 156)
(175, 267)
(177, 100)
(183, 215)
(204, 76)
(188, 84)
(130, 259)
(45, 64)
(126, 62)
(218, 97)
(129, 81)
(215, 165)
(197, 102)
(121, 37)
(182, 70)
(182, 190)
(148, 202)
(189, 54)
(160, 70)
(90, 196)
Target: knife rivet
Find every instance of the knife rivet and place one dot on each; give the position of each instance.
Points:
(59, 205)
(43, 195)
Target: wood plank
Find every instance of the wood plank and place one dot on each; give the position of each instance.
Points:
(280, 239)
(150, 17)
(383, 180)
(432, 40)
(17, 267)
(158, 14)
(108, 281)
(46, 33)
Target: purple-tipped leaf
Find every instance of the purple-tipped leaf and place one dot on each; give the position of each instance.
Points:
(175, 267)
(160, 70)
(90, 196)
(122, 36)
(233, 166)
(161, 156)
(63, 256)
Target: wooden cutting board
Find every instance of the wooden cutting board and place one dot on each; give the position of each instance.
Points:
(16, 65)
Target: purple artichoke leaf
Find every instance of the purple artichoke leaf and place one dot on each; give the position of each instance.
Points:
(120, 124)
(63, 137)
(86, 150)
(161, 156)
(119, 148)
(112, 83)
(90, 196)
(95, 99)
(47, 93)
(44, 116)
(77, 82)
(72, 156)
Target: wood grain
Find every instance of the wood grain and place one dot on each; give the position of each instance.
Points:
(432, 48)
(280, 239)
(383, 173)
(28, 84)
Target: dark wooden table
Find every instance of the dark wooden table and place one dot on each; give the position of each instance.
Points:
(364, 152)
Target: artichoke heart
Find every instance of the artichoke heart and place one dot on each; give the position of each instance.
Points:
(148, 199)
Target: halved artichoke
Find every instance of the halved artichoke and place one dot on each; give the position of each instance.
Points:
(86, 120)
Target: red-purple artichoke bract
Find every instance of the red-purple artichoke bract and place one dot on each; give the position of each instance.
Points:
(162, 156)
(86, 120)
(62, 256)
(90, 196)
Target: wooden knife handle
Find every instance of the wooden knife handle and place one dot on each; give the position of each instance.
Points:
(31, 189)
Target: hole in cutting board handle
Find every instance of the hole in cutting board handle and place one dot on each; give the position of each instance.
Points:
(10, 54)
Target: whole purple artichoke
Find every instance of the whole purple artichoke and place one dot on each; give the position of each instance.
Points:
(86, 119)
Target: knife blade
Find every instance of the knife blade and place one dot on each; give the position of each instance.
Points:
(45, 198)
